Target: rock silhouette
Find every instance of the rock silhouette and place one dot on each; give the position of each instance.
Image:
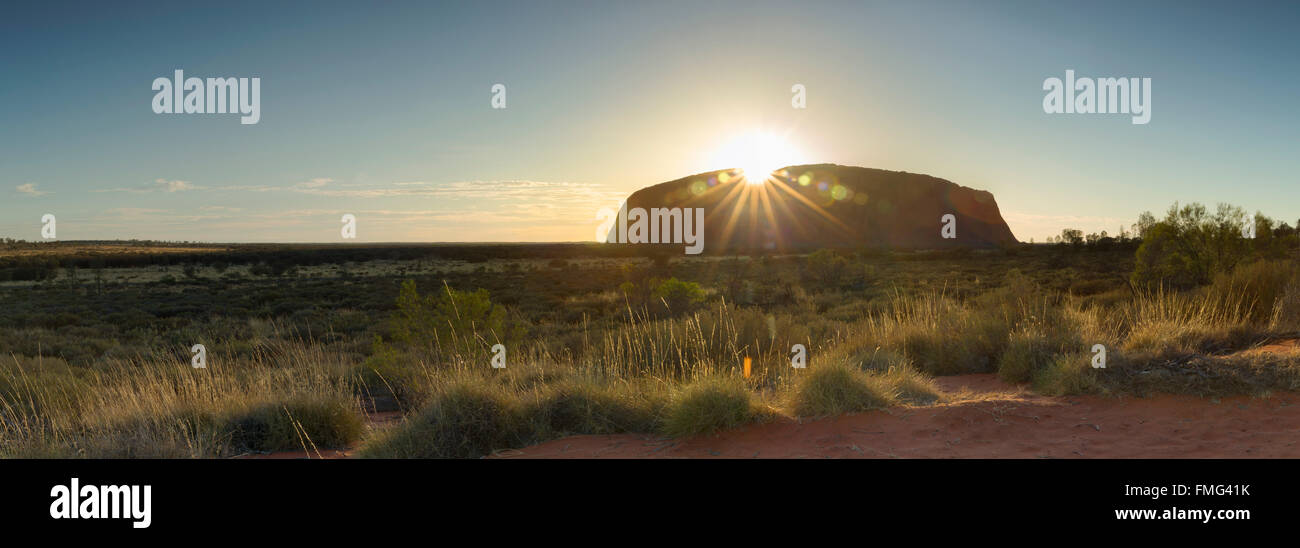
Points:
(828, 205)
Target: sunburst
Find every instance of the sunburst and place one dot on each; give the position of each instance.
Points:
(757, 154)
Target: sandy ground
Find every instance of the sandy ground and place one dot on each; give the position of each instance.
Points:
(1275, 347)
(994, 421)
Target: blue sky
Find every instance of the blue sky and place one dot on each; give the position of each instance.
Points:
(383, 111)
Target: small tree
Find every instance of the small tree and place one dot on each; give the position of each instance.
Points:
(1072, 236)
(679, 296)
(827, 267)
(1190, 245)
(451, 320)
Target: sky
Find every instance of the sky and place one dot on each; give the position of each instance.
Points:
(384, 111)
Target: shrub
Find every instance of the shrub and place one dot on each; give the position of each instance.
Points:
(585, 407)
(1068, 374)
(943, 338)
(465, 420)
(1167, 324)
(911, 386)
(827, 268)
(1032, 346)
(871, 357)
(708, 405)
(679, 296)
(1165, 339)
(1253, 289)
(837, 388)
(1191, 244)
(457, 321)
(1286, 311)
(303, 422)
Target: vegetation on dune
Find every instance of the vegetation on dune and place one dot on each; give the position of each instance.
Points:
(456, 323)
(839, 388)
(1190, 245)
(97, 363)
(710, 404)
(289, 397)
(587, 406)
(462, 420)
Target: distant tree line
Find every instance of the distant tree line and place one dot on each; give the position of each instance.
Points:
(284, 259)
(1191, 243)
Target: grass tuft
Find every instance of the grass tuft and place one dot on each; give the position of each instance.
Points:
(465, 420)
(838, 388)
(708, 405)
(1068, 374)
(588, 407)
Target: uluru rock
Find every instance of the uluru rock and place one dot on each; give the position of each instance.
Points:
(828, 205)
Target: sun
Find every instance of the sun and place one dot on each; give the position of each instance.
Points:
(757, 154)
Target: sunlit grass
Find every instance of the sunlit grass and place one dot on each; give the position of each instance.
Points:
(654, 374)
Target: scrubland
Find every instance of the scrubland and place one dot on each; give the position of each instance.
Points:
(96, 359)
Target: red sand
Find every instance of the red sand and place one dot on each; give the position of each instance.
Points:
(997, 421)
(1286, 346)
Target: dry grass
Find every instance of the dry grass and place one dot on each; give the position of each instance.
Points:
(675, 376)
(288, 396)
(838, 388)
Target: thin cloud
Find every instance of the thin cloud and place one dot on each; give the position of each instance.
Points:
(173, 186)
(534, 192)
(516, 210)
(531, 190)
(158, 185)
(249, 188)
(314, 183)
(30, 190)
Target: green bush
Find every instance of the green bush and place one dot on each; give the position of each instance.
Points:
(455, 321)
(1191, 245)
(679, 296)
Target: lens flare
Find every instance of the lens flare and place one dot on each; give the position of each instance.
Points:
(757, 154)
